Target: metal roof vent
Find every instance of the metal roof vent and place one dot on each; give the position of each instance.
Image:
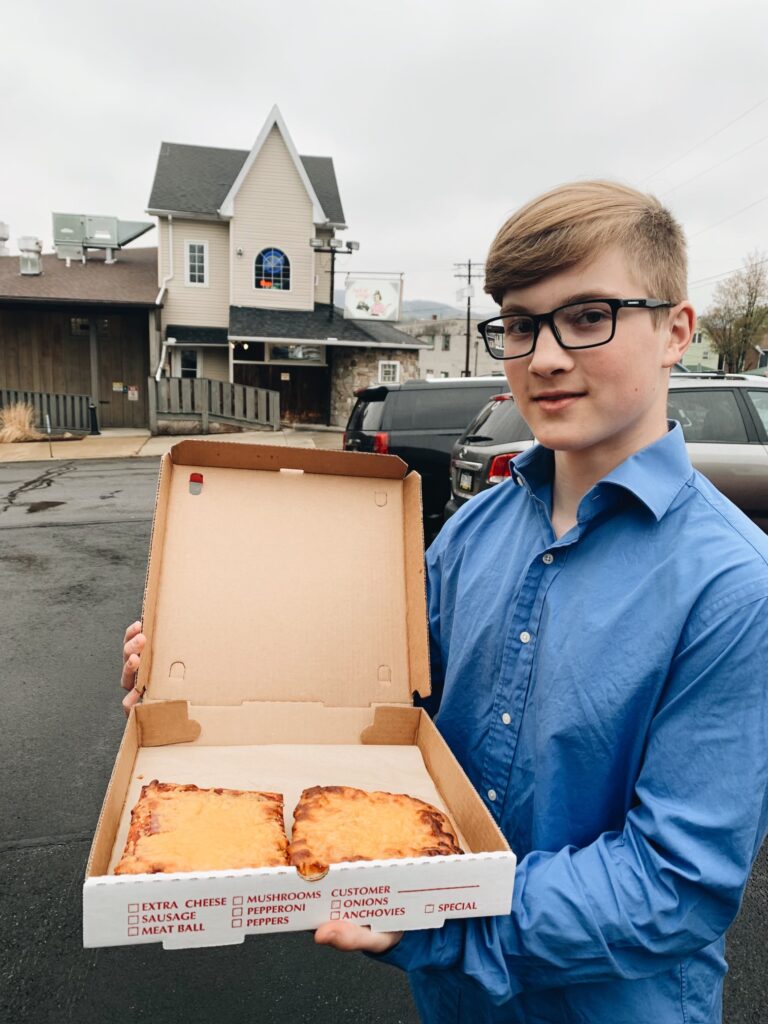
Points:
(75, 233)
(30, 249)
(5, 234)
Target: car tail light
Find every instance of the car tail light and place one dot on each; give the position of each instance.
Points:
(381, 442)
(344, 441)
(499, 468)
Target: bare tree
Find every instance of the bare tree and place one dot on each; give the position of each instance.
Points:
(738, 315)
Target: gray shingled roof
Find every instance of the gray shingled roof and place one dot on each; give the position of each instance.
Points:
(131, 281)
(313, 325)
(196, 180)
(197, 335)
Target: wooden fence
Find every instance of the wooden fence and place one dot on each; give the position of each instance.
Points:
(67, 412)
(199, 398)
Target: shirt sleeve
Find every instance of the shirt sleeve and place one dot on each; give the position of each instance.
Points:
(636, 902)
(431, 704)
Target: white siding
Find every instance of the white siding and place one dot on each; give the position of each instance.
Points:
(272, 208)
(215, 363)
(195, 305)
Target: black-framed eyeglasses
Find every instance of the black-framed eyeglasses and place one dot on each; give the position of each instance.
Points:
(584, 324)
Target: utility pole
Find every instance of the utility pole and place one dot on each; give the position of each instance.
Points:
(465, 273)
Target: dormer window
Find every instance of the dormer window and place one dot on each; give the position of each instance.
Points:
(272, 270)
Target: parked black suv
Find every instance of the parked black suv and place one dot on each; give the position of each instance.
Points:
(420, 420)
(725, 424)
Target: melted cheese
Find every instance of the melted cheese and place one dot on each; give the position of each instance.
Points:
(204, 830)
(355, 825)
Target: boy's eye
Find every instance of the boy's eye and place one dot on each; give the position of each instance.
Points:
(519, 325)
(584, 317)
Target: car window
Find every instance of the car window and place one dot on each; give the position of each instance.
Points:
(499, 422)
(438, 408)
(366, 415)
(707, 415)
(760, 402)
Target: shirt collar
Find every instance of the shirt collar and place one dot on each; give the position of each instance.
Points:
(654, 475)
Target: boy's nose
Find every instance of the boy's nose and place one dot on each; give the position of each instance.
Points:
(549, 356)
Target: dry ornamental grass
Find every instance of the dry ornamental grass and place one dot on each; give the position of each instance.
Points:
(17, 423)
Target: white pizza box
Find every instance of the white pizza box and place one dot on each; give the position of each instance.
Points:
(285, 616)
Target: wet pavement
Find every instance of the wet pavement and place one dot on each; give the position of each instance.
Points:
(71, 579)
(74, 538)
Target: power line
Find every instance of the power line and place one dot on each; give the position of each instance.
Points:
(703, 142)
(730, 216)
(712, 168)
(726, 273)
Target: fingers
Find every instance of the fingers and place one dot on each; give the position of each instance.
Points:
(130, 633)
(130, 668)
(129, 700)
(346, 936)
(134, 645)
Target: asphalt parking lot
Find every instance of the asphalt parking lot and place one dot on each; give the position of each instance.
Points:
(73, 549)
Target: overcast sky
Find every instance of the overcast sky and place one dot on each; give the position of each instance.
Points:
(441, 116)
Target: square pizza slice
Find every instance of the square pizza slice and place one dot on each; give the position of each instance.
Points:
(338, 823)
(184, 828)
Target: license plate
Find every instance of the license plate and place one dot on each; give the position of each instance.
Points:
(465, 481)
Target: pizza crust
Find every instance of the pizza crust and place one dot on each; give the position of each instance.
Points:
(185, 828)
(339, 823)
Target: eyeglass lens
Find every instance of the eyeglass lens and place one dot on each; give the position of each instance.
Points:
(579, 326)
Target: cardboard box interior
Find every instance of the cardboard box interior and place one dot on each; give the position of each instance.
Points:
(285, 618)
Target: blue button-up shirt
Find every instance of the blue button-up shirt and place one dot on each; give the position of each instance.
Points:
(607, 695)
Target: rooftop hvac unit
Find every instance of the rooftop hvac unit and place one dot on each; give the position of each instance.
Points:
(75, 233)
(30, 249)
(4, 236)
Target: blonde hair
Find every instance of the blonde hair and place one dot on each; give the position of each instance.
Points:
(573, 223)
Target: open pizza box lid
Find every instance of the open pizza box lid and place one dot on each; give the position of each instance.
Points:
(284, 574)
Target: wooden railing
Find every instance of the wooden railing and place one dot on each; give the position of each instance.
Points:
(67, 412)
(199, 398)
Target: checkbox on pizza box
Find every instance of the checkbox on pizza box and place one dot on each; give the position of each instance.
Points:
(133, 931)
(133, 919)
(237, 911)
(133, 908)
(237, 900)
(335, 904)
(237, 922)
(429, 908)
(335, 915)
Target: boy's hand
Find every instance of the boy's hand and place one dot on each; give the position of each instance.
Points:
(133, 645)
(345, 935)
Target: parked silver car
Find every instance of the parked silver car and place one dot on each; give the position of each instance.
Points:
(724, 419)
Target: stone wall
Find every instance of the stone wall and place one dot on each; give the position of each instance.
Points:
(354, 368)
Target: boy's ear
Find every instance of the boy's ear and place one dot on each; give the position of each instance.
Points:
(680, 328)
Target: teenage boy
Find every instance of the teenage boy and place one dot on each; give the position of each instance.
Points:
(596, 627)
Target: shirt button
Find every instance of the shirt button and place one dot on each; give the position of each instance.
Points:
(506, 718)
(548, 559)
(491, 795)
(525, 637)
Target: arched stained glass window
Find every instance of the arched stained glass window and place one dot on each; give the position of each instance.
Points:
(272, 270)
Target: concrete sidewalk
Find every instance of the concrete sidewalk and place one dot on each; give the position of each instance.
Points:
(121, 444)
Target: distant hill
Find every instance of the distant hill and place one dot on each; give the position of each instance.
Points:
(424, 309)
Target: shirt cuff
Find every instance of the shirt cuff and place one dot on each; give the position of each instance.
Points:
(401, 955)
